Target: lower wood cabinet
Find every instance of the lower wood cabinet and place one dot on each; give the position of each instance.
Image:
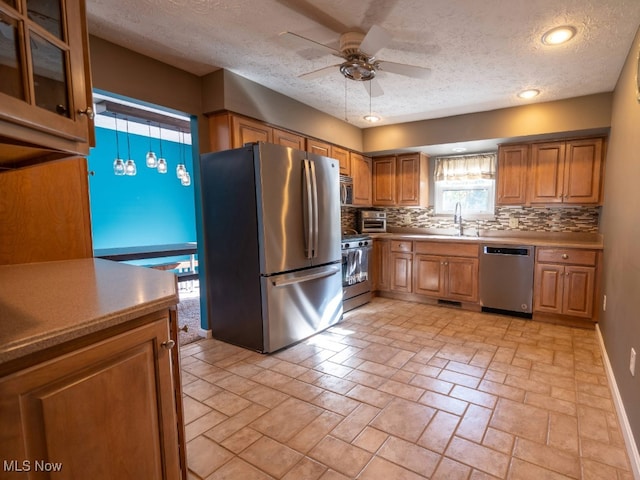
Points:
(440, 270)
(565, 281)
(102, 411)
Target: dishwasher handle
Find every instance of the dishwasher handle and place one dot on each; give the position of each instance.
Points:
(511, 251)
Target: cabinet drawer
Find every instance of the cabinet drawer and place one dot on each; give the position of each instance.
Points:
(570, 256)
(448, 249)
(401, 246)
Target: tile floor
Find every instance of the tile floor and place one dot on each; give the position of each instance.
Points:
(401, 390)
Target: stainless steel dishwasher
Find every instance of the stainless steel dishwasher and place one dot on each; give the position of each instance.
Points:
(506, 279)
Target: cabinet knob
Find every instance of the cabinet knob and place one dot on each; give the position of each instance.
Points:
(88, 112)
(169, 344)
(565, 256)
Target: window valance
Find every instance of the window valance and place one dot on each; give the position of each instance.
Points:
(466, 167)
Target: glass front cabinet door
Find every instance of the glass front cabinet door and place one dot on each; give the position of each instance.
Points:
(45, 84)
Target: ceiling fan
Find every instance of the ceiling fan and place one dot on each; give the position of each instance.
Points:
(360, 63)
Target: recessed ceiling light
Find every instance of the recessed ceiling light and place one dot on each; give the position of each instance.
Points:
(559, 35)
(526, 94)
(372, 118)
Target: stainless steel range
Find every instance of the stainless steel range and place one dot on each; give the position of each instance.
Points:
(356, 285)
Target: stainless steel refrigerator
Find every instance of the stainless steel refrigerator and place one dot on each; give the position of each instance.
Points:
(271, 228)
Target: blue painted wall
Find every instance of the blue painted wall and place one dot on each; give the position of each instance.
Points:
(146, 209)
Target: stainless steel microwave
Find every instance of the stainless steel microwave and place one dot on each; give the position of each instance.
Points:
(346, 190)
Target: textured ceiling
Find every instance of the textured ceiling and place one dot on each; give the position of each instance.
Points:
(481, 53)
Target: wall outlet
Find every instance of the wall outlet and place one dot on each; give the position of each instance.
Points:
(604, 303)
(407, 218)
(632, 362)
(513, 222)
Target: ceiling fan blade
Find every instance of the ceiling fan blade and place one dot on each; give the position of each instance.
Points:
(373, 88)
(319, 73)
(375, 39)
(404, 69)
(300, 38)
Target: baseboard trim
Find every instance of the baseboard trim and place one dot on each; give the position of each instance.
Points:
(204, 333)
(632, 448)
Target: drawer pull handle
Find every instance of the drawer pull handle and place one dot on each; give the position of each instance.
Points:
(565, 256)
(169, 344)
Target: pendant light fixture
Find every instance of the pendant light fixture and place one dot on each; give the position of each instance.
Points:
(130, 166)
(181, 169)
(118, 163)
(162, 163)
(152, 160)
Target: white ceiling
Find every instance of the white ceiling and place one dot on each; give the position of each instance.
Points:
(481, 53)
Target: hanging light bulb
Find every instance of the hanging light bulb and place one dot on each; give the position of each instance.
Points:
(162, 163)
(118, 163)
(181, 169)
(152, 160)
(186, 179)
(130, 166)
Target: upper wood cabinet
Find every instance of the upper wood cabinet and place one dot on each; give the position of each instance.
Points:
(45, 90)
(513, 167)
(333, 151)
(401, 180)
(246, 130)
(288, 139)
(566, 172)
(384, 180)
(361, 173)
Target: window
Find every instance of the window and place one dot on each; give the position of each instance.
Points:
(468, 179)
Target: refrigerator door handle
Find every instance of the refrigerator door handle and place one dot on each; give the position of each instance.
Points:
(285, 280)
(314, 197)
(307, 210)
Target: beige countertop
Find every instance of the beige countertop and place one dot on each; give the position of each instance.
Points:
(46, 304)
(537, 239)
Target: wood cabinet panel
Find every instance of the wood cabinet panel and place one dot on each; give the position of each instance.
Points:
(245, 130)
(429, 277)
(380, 265)
(318, 147)
(111, 400)
(448, 248)
(401, 272)
(548, 288)
(404, 246)
(567, 255)
(342, 155)
(583, 171)
(462, 279)
(288, 139)
(578, 291)
(513, 167)
(384, 181)
(547, 167)
(408, 179)
(45, 213)
(361, 171)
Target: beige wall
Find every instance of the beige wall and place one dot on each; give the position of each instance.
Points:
(251, 99)
(580, 114)
(620, 324)
(121, 71)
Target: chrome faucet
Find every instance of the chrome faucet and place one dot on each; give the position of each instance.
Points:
(457, 218)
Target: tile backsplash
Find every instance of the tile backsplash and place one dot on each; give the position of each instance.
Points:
(578, 219)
